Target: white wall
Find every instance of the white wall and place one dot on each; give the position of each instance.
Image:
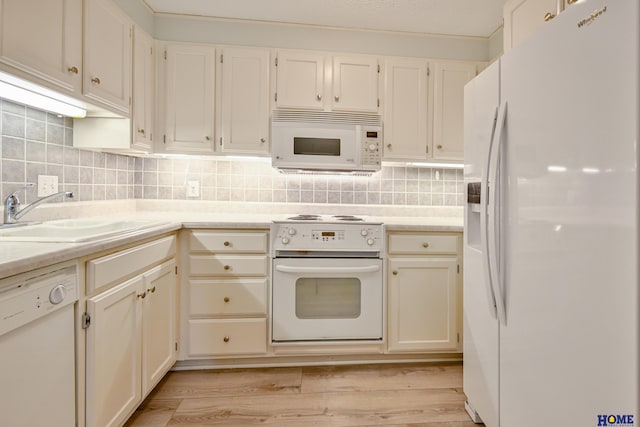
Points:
(251, 33)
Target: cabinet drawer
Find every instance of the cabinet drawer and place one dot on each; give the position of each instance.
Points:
(227, 336)
(228, 265)
(229, 242)
(228, 297)
(422, 244)
(105, 270)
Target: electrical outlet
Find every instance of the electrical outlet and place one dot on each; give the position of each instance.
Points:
(47, 184)
(193, 188)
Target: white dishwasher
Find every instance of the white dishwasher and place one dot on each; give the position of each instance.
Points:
(37, 349)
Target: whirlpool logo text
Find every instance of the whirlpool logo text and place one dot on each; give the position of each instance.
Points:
(615, 420)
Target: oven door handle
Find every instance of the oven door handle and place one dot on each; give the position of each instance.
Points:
(366, 269)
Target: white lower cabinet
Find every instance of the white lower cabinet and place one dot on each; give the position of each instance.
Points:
(424, 293)
(130, 338)
(225, 301)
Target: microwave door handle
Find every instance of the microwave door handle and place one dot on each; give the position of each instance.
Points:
(316, 270)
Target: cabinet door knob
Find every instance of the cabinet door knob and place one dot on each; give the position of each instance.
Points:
(142, 295)
(549, 16)
(425, 245)
(227, 267)
(439, 147)
(73, 70)
(227, 243)
(207, 138)
(389, 146)
(152, 290)
(226, 339)
(319, 97)
(336, 98)
(141, 131)
(95, 80)
(226, 299)
(262, 140)
(395, 273)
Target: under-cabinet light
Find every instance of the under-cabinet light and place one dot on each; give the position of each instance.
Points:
(27, 93)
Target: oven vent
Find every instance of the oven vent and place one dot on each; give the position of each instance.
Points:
(327, 117)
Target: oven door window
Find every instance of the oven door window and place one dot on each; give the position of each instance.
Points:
(316, 146)
(328, 298)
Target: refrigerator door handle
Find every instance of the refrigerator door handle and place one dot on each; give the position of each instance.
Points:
(492, 214)
(484, 192)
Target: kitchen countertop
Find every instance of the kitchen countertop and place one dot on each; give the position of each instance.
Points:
(19, 257)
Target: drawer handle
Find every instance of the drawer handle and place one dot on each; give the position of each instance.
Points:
(226, 339)
(73, 70)
(227, 267)
(395, 273)
(389, 146)
(549, 16)
(439, 147)
(425, 245)
(95, 80)
(227, 243)
(226, 299)
(141, 131)
(319, 97)
(142, 295)
(152, 290)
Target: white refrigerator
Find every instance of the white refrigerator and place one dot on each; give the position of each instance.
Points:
(551, 243)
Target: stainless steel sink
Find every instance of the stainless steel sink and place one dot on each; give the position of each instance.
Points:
(75, 230)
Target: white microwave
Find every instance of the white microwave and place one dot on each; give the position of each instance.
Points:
(326, 141)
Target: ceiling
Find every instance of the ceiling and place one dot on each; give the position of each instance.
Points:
(448, 17)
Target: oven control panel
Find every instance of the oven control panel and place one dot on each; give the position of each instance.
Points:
(292, 236)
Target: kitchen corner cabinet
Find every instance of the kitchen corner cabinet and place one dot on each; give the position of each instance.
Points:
(189, 90)
(450, 77)
(131, 334)
(407, 87)
(107, 56)
(143, 91)
(424, 292)
(523, 17)
(225, 300)
(243, 96)
(319, 81)
(42, 41)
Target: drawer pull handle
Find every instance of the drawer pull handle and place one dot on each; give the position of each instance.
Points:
(226, 299)
(395, 273)
(227, 267)
(226, 339)
(141, 131)
(439, 147)
(73, 70)
(142, 295)
(319, 97)
(152, 290)
(549, 16)
(95, 80)
(389, 146)
(425, 245)
(227, 243)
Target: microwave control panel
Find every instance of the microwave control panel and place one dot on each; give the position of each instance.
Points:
(371, 144)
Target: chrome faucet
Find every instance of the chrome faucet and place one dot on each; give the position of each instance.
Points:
(12, 203)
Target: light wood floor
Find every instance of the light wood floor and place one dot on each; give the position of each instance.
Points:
(362, 395)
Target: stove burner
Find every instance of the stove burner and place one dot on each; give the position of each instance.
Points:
(347, 218)
(305, 218)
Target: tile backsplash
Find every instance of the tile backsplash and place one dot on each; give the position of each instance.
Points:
(38, 143)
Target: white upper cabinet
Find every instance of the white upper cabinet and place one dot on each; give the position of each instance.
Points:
(355, 83)
(320, 81)
(406, 113)
(143, 91)
(107, 55)
(43, 39)
(523, 17)
(243, 97)
(189, 99)
(300, 80)
(450, 77)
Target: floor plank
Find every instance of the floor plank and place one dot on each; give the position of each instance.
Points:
(400, 395)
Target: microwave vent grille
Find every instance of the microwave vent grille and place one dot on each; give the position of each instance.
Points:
(327, 117)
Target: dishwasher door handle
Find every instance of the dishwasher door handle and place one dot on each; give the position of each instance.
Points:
(316, 270)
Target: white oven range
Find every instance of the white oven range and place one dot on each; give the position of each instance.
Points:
(327, 280)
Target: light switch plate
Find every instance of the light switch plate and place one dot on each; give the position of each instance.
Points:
(193, 188)
(47, 184)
